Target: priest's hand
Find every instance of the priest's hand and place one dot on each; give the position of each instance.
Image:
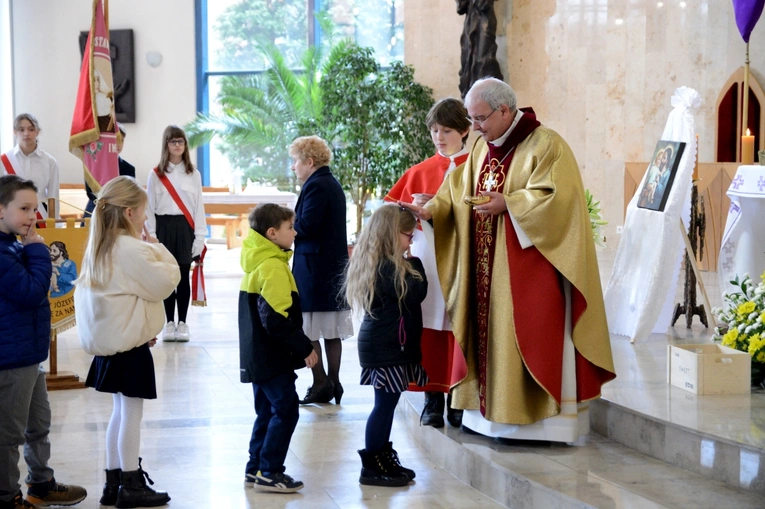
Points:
(495, 206)
(422, 214)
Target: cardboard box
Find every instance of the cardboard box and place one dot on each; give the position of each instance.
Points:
(709, 369)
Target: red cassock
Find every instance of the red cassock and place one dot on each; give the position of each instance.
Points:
(441, 356)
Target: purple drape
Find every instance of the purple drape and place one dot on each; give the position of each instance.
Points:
(747, 14)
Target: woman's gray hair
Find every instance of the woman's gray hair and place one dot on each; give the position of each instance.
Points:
(493, 92)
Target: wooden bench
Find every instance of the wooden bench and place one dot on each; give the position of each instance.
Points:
(222, 208)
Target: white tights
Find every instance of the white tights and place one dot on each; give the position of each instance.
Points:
(123, 435)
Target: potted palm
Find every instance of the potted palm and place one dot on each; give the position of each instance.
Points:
(375, 120)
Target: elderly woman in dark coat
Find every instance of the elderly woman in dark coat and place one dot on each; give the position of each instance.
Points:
(321, 255)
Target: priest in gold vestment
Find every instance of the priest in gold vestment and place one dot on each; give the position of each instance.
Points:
(520, 277)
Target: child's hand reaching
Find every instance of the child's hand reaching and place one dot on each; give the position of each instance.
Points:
(311, 360)
(152, 342)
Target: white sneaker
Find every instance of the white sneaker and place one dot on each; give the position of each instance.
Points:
(168, 333)
(182, 332)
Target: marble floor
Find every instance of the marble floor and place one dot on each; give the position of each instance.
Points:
(195, 435)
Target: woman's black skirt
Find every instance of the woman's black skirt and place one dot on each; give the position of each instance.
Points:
(175, 233)
(130, 373)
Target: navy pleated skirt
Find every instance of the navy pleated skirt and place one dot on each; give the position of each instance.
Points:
(130, 373)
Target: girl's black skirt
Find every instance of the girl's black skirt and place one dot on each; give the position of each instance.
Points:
(175, 233)
(130, 373)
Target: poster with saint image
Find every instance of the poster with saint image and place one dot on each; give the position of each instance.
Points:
(660, 175)
(67, 248)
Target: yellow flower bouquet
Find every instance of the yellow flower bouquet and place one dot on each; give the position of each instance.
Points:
(742, 319)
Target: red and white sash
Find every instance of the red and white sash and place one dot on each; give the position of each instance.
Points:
(198, 294)
(11, 171)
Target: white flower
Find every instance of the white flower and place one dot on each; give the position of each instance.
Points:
(742, 327)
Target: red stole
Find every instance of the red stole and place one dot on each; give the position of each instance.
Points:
(198, 294)
(10, 171)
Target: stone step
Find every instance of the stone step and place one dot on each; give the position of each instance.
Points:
(737, 461)
(597, 472)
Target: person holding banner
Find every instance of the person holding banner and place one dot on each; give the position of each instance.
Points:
(117, 304)
(25, 415)
(29, 161)
(176, 216)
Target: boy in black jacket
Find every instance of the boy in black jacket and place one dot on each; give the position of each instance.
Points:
(271, 344)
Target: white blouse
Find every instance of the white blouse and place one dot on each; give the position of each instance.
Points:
(189, 188)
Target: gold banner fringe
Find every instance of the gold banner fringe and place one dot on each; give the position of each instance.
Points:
(199, 303)
(64, 325)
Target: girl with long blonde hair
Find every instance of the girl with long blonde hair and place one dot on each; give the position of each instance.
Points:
(118, 304)
(389, 288)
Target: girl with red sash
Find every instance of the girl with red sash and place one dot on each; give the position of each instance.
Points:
(441, 358)
(176, 217)
(30, 162)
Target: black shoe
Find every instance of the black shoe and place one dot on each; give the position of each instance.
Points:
(338, 393)
(134, 492)
(278, 482)
(377, 469)
(468, 430)
(453, 415)
(394, 457)
(323, 394)
(111, 487)
(433, 412)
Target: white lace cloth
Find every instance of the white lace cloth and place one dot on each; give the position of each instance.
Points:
(743, 242)
(639, 297)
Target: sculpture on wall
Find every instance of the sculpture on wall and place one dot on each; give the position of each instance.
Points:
(123, 72)
(478, 42)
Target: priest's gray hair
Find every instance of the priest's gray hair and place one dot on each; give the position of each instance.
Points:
(493, 92)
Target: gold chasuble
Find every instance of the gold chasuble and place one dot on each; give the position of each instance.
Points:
(506, 304)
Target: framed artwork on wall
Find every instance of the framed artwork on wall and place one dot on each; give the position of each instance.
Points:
(123, 72)
(660, 175)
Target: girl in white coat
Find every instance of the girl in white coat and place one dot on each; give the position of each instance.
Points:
(118, 301)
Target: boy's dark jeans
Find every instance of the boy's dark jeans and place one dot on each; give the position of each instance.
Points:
(276, 404)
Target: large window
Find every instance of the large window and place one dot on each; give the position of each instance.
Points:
(228, 36)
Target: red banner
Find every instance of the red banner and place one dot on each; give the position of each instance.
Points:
(93, 137)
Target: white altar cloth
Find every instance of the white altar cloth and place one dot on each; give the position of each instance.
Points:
(743, 242)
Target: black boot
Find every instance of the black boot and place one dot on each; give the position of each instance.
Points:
(111, 487)
(433, 413)
(394, 457)
(377, 469)
(133, 491)
(453, 415)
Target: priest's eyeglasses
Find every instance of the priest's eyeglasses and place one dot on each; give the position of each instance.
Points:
(410, 235)
(480, 120)
(178, 142)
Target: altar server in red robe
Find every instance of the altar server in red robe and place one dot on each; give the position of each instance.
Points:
(442, 360)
